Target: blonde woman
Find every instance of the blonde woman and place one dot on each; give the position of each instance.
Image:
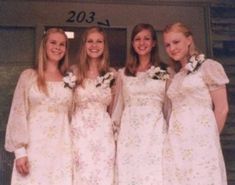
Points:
(38, 126)
(199, 108)
(93, 141)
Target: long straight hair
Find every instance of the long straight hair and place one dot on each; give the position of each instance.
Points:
(181, 28)
(83, 64)
(133, 61)
(43, 59)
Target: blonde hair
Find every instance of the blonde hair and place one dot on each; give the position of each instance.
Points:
(83, 60)
(181, 28)
(42, 59)
(133, 62)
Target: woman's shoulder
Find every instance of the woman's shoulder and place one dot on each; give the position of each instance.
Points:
(210, 61)
(112, 69)
(118, 73)
(121, 70)
(27, 76)
(28, 73)
(211, 64)
(213, 72)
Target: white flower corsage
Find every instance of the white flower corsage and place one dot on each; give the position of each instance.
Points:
(70, 80)
(194, 62)
(157, 73)
(106, 80)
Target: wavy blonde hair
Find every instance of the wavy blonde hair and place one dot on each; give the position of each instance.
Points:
(181, 28)
(83, 64)
(42, 59)
(133, 62)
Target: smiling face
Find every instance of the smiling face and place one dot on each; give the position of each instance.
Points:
(143, 43)
(94, 45)
(177, 45)
(55, 47)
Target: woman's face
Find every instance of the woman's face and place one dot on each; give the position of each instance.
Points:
(177, 45)
(95, 45)
(143, 43)
(55, 47)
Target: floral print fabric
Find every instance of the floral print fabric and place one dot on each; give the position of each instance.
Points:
(93, 141)
(142, 130)
(40, 124)
(192, 152)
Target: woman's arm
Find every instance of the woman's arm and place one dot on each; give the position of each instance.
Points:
(220, 102)
(17, 128)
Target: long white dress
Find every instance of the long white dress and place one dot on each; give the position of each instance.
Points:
(142, 130)
(192, 153)
(40, 124)
(92, 135)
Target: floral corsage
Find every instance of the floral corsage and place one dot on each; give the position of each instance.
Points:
(157, 73)
(194, 62)
(70, 80)
(107, 80)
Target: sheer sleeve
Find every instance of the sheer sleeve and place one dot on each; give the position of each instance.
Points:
(118, 104)
(214, 74)
(17, 128)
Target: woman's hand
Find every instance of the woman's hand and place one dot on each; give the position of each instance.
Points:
(22, 165)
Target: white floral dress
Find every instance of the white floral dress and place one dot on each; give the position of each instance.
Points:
(40, 125)
(142, 130)
(93, 141)
(192, 153)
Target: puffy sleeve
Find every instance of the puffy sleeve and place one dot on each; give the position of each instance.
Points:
(17, 128)
(118, 104)
(214, 74)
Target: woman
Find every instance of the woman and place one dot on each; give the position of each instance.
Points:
(38, 126)
(93, 141)
(139, 105)
(199, 108)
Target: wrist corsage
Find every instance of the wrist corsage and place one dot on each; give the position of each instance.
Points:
(70, 80)
(157, 73)
(194, 62)
(106, 80)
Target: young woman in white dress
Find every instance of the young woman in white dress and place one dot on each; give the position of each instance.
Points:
(138, 111)
(38, 127)
(192, 153)
(92, 133)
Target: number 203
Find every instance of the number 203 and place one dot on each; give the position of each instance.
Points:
(80, 17)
